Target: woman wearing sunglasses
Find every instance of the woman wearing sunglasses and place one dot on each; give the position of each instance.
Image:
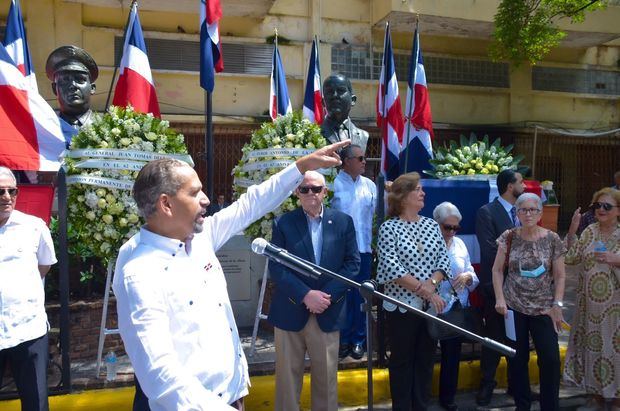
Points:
(464, 280)
(593, 355)
(533, 289)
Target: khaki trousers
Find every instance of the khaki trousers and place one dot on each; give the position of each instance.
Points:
(322, 349)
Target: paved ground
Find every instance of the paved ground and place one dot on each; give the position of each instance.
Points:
(262, 363)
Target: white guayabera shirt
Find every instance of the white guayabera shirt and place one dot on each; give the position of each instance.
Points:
(25, 243)
(174, 313)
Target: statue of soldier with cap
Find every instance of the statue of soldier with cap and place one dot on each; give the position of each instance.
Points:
(337, 126)
(72, 72)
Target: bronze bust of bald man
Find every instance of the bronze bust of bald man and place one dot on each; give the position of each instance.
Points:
(339, 98)
(72, 72)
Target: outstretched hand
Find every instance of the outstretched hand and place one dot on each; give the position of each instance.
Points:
(575, 220)
(322, 158)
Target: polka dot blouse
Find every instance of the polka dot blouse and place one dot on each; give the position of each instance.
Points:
(409, 248)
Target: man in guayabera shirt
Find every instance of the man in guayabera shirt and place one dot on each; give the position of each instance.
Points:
(26, 254)
(174, 313)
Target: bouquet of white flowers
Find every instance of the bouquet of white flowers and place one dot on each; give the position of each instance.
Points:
(273, 147)
(102, 163)
(473, 157)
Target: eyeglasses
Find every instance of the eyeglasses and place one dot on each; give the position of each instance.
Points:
(532, 211)
(359, 158)
(314, 189)
(449, 227)
(12, 191)
(604, 206)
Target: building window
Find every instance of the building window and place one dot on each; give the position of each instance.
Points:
(576, 80)
(184, 55)
(354, 62)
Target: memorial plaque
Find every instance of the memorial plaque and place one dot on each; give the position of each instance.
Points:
(236, 266)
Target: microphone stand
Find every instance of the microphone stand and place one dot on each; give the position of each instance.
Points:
(368, 290)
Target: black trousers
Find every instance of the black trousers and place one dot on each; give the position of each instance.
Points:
(411, 361)
(28, 362)
(449, 373)
(493, 327)
(140, 400)
(540, 327)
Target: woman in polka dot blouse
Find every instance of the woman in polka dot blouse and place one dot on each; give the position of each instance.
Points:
(413, 260)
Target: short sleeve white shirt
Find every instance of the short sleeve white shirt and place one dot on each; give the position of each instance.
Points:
(357, 198)
(25, 243)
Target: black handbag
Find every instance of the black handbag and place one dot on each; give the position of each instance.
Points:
(468, 318)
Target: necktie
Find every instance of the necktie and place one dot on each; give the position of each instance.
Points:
(513, 216)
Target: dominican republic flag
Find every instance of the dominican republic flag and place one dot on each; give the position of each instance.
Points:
(389, 113)
(135, 84)
(279, 102)
(417, 148)
(16, 44)
(313, 98)
(30, 133)
(211, 60)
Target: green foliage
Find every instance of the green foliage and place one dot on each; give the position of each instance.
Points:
(472, 157)
(273, 147)
(101, 219)
(526, 30)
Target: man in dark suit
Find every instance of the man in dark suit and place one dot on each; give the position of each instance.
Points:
(339, 98)
(308, 313)
(491, 221)
(219, 205)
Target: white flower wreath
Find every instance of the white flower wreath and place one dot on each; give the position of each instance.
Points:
(102, 163)
(273, 147)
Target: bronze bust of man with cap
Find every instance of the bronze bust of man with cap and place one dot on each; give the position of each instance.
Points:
(339, 98)
(72, 72)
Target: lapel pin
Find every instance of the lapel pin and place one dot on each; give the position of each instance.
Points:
(329, 221)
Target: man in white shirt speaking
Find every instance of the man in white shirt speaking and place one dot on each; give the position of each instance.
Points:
(174, 313)
(26, 254)
(356, 196)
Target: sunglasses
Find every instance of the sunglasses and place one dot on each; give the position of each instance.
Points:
(359, 158)
(604, 206)
(449, 227)
(12, 191)
(314, 189)
(532, 211)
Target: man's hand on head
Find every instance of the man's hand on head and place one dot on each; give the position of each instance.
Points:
(322, 158)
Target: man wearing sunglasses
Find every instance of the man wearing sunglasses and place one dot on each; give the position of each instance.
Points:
(308, 313)
(26, 254)
(356, 196)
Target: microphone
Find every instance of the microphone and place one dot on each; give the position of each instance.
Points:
(279, 255)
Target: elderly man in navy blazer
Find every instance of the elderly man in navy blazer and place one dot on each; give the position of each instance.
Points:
(308, 313)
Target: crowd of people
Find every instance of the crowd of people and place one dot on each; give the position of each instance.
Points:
(177, 323)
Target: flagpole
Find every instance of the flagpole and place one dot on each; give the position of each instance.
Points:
(209, 143)
(107, 101)
(409, 122)
(382, 177)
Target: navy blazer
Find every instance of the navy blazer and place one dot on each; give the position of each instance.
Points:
(491, 221)
(339, 254)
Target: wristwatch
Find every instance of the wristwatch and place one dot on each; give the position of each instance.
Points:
(434, 282)
(559, 303)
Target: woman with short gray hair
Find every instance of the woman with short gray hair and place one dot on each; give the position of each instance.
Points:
(533, 288)
(464, 281)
